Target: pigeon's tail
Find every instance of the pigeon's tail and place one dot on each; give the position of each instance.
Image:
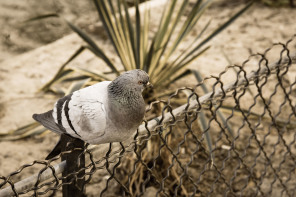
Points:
(56, 150)
(65, 143)
(48, 122)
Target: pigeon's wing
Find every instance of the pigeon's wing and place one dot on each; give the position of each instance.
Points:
(83, 113)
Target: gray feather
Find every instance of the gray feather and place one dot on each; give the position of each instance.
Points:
(48, 122)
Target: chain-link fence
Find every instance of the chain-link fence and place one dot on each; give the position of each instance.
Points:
(239, 139)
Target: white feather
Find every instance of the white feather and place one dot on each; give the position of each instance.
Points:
(87, 111)
(54, 113)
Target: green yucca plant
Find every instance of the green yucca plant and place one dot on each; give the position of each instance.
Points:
(158, 56)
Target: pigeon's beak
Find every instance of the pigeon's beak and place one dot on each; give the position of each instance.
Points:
(149, 85)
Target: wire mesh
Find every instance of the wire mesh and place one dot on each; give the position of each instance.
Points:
(237, 140)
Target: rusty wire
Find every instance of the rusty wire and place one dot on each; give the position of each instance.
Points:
(172, 157)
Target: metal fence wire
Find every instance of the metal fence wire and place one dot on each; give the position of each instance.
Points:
(239, 139)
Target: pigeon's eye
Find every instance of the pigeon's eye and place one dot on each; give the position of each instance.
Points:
(140, 82)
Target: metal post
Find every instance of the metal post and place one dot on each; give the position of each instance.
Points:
(74, 162)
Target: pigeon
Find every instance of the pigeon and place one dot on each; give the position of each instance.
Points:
(109, 111)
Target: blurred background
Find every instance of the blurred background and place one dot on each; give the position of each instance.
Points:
(32, 52)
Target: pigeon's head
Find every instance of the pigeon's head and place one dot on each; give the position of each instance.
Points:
(133, 80)
(136, 79)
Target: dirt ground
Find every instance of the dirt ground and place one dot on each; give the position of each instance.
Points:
(254, 32)
(18, 36)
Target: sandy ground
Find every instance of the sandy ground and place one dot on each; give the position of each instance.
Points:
(17, 36)
(255, 31)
